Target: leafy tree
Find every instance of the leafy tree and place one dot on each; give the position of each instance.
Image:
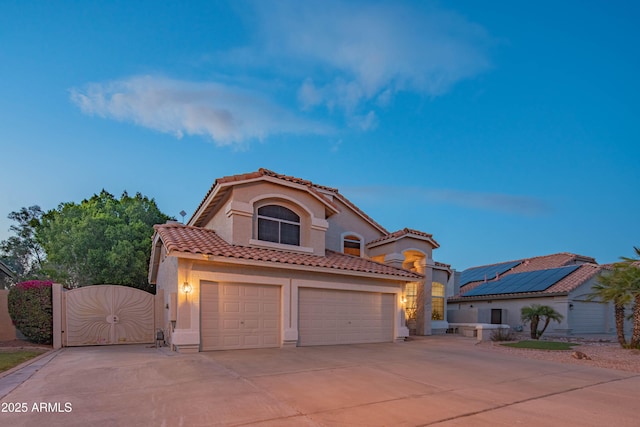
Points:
(622, 287)
(21, 252)
(631, 268)
(613, 287)
(535, 313)
(100, 240)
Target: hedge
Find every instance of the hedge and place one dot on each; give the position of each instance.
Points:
(30, 308)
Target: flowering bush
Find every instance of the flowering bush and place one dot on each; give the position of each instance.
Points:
(30, 309)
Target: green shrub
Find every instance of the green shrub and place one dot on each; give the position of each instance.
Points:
(503, 334)
(31, 310)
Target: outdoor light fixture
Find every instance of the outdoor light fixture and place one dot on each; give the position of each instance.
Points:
(570, 306)
(186, 288)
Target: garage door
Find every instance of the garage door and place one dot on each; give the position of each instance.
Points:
(237, 316)
(589, 318)
(329, 317)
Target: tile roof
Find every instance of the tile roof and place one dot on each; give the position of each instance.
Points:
(403, 232)
(588, 268)
(196, 240)
(311, 187)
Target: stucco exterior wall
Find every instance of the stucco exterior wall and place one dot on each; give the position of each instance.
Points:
(167, 283)
(7, 330)
(234, 222)
(480, 312)
(187, 330)
(440, 276)
(348, 221)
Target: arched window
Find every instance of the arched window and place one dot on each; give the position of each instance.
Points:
(351, 245)
(278, 224)
(437, 301)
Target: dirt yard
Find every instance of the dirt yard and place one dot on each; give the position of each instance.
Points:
(603, 354)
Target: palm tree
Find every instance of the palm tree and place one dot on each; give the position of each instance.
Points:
(534, 313)
(612, 287)
(631, 275)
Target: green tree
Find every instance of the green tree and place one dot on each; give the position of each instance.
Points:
(613, 286)
(100, 240)
(622, 287)
(631, 268)
(535, 313)
(21, 252)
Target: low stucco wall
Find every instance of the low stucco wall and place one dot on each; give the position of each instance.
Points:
(7, 330)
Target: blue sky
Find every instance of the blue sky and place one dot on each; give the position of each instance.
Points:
(505, 129)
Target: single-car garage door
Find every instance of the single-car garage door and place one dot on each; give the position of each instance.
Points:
(237, 316)
(328, 316)
(589, 317)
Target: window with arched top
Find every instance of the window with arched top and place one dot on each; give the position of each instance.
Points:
(279, 225)
(437, 301)
(351, 245)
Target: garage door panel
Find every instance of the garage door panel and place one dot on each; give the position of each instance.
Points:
(328, 316)
(250, 316)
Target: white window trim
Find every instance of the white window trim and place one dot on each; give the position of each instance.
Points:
(280, 246)
(258, 217)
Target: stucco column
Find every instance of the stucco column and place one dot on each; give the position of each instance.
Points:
(394, 260)
(423, 298)
(56, 306)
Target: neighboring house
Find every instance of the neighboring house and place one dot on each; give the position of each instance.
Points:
(495, 293)
(7, 276)
(269, 260)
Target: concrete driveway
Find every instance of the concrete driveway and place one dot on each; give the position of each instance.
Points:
(444, 381)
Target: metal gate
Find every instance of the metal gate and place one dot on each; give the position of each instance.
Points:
(108, 314)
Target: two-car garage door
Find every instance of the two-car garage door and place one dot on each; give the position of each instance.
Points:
(330, 316)
(238, 316)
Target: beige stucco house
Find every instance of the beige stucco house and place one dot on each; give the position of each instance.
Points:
(269, 260)
(496, 293)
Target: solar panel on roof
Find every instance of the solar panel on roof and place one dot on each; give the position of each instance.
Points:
(530, 281)
(487, 272)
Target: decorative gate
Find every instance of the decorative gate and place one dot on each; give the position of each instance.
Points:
(108, 314)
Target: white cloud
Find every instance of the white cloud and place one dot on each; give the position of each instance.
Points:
(349, 58)
(223, 112)
(360, 51)
(366, 122)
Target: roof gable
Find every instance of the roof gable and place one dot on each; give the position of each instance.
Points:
(404, 233)
(220, 188)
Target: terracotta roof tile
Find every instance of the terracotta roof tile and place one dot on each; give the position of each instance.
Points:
(196, 240)
(313, 188)
(403, 232)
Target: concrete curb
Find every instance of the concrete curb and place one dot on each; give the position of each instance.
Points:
(15, 376)
(25, 363)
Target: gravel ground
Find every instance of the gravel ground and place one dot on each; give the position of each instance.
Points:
(603, 354)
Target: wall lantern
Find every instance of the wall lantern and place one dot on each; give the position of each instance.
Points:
(570, 306)
(186, 287)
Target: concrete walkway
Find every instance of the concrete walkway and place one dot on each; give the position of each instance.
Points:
(444, 381)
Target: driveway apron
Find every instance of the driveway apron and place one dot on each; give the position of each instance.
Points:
(444, 381)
